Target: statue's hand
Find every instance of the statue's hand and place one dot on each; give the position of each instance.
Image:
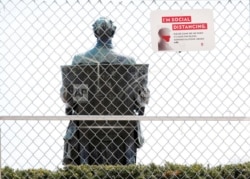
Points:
(67, 99)
(63, 94)
(142, 99)
(143, 96)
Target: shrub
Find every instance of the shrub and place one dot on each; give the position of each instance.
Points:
(151, 171)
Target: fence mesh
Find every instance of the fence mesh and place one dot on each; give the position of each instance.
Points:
(38, 37)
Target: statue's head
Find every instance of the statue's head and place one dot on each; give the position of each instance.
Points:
(104, 28)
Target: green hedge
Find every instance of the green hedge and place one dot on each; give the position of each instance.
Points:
(152, 171)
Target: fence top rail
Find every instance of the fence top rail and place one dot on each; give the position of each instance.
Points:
(123, 117)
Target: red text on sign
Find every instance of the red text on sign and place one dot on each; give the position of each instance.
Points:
(173, 19)
(196, 26)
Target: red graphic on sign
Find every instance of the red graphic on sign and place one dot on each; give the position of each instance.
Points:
(166, 38)
(164, 34)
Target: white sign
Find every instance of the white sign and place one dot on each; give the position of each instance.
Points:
(182, 30)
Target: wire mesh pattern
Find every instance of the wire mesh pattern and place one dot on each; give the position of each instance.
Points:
(38, 37)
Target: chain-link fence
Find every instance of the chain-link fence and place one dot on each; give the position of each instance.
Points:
(191, 92)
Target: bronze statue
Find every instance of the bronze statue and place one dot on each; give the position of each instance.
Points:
(104, 142)
(104, 31)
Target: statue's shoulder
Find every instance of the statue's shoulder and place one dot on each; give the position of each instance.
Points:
(83, 59)
(78, 58)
